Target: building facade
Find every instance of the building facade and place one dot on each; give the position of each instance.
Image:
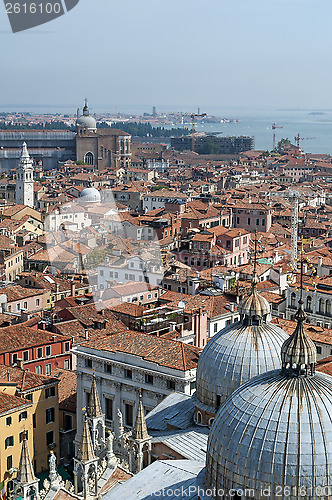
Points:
(127, 363)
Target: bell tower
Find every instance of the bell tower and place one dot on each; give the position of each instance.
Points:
(24, 179)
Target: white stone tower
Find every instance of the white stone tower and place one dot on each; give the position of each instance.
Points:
(25, 483)
(24, 179)
(86, 465)
(96, 419)
(140, 442)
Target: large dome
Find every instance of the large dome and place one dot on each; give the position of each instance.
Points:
(86, 120)
(275, 431)
(237, 353)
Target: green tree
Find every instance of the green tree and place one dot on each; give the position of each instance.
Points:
(282, 143)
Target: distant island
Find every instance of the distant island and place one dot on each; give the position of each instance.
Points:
(316, 113)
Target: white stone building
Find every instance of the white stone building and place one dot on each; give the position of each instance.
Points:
(125, 364)
(317, 302)
(158, 199)
(124, 270)
(70, 216)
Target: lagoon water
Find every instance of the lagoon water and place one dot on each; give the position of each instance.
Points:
(315, 126)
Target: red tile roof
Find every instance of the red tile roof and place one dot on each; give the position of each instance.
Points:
(9, 402)
(169, 353)
(325, 365)
(17, 337)
(24, 379)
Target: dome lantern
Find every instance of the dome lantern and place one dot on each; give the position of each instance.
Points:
(298, 353)
(86, 120)
(254, 309)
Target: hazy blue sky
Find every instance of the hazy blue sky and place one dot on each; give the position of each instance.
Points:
(174, 52)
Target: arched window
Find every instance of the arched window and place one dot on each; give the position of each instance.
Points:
(293, 300)
(321, 306)
(211, 421)
(328, 308)
(88, 158)
(309, 303)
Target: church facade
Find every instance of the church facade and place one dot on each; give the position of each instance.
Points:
(101, 147)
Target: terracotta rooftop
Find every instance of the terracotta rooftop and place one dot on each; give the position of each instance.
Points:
(24, 379)
(316, 333)
(9, 402)
(169, 353)
(18, 292)
(325, 365)
(17, 337)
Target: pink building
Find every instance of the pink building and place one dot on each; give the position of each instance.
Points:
(216, 246)
(252, 217)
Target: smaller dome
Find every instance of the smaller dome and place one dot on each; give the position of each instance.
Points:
(254, 307)
(86, 120)
(90, 195)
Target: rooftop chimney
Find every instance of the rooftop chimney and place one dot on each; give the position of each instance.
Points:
(172, 326)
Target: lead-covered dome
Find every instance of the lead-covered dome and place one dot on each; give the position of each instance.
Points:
(86, 120)
(274, 433)
(237, 353)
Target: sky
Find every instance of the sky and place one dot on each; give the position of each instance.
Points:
(180, 53)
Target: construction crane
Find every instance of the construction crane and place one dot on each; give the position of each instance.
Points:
(297, 139)
(293, 198)
(193, 122)
(274, 127)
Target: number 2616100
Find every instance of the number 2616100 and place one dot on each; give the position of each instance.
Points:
(33, 8)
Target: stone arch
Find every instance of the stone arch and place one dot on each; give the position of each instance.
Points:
(321, 306)
(32, 493)
(211, 421)
(309, 303)
(199, 417)
(293, 300)
(328, 307)
(99, 432)
(146, 453)
(89, 158)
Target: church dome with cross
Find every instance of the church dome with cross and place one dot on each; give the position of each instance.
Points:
(274, 433)
(85, 120)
